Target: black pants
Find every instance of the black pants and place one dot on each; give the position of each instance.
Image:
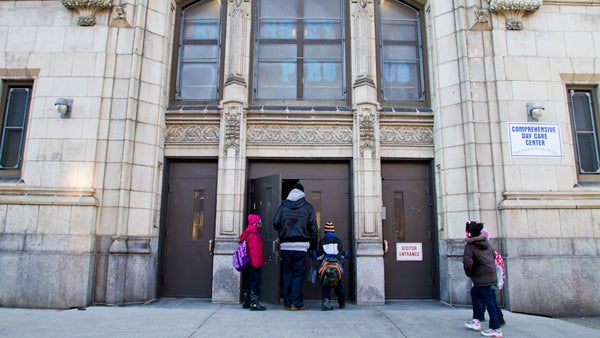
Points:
(339, 292)
(251, 280)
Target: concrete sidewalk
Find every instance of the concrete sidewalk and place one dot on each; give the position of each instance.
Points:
(201, 318)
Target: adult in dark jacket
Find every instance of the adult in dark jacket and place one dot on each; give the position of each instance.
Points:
(479, 265)
(252, 274)
(295, 221)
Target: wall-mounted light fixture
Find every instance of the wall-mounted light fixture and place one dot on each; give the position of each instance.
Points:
(535, 110)
(63, 106)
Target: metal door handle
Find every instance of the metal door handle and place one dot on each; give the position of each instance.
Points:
(386, 247)
(276, 248)
(210, 247)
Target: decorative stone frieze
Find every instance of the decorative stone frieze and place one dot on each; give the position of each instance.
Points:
(299, 135)
(406, 136)
(513, 10)
(192, 133)
(86, 9)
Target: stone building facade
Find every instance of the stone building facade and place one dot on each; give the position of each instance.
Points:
(420, 114)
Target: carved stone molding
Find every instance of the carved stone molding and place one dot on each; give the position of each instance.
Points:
(479, 19)
(238, 3)
(232, 119)
(239, 24)
(362, 21)
(119, 17)
(362, 3)
(299, 135)
(406, 136)
(513, 10)
(86, 9)
(366, 122)
(192, 134)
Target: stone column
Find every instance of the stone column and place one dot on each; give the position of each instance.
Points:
(231, 181)
(130, 198)
(370, 286)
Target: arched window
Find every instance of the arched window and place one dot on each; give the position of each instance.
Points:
(401, 53)
(299, 50)
(199, 52)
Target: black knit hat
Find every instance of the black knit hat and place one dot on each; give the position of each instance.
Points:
(298, 186)
(474, 228)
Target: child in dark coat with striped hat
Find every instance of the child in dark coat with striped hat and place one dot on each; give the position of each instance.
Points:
(331, 246)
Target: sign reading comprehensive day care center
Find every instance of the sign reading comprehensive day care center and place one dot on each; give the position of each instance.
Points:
(409, 251)
(534, 140)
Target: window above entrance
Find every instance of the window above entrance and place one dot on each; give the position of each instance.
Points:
(299, 51)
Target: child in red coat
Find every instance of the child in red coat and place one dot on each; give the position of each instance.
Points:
(252, 275)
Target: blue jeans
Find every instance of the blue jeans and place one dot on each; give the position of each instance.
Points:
(484, 297)
(293, 268)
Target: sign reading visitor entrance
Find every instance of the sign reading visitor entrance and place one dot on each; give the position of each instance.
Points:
(534, 140)
(409, 251)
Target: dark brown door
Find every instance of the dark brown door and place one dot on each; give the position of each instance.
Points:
(265, 195)
(327, 188)
(407, 230)
(190, 229)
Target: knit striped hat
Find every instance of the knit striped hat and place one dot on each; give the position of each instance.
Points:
(329, 227)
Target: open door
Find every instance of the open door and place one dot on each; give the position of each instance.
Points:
(327, 188)
(265, 197)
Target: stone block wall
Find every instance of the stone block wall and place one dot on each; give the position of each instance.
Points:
(46, 270)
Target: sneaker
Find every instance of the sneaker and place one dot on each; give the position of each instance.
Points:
(492, 333)
(473, 324)
(256, 306)
(297, 308)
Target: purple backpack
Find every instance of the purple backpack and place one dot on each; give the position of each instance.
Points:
(240, 258)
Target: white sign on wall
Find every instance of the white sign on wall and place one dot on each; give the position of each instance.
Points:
(534, 140)
(409, 251)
